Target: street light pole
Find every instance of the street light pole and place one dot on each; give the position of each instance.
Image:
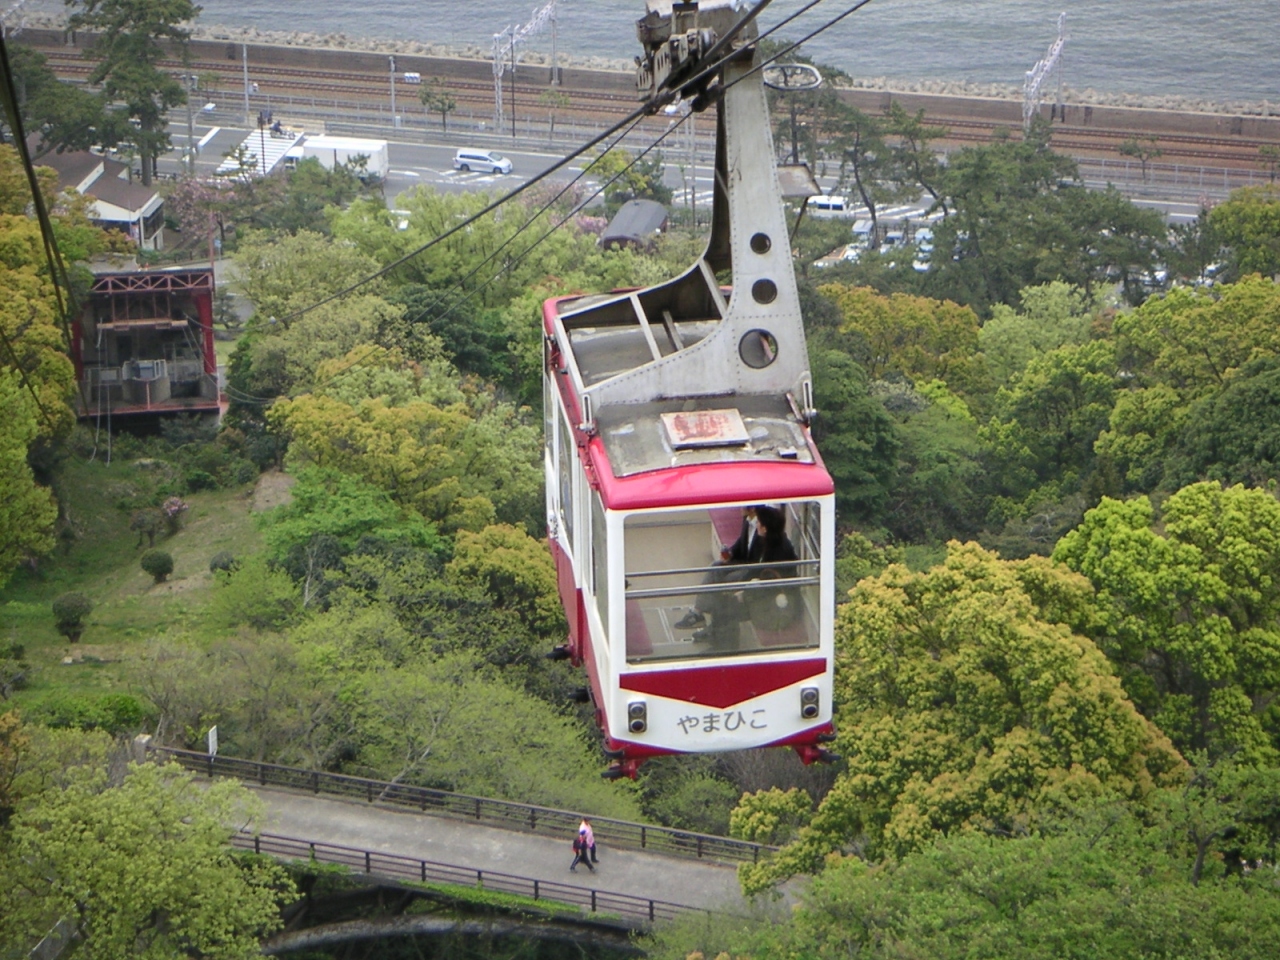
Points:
(191, 128)
(244, 60)
(394, 122)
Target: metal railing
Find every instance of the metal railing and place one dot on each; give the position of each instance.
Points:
(394, 866)
(505, 814)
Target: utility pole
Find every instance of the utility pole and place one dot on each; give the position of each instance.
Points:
(244, 60)
(513, 91)
(394, 121)
(555, 61)
(191, 127)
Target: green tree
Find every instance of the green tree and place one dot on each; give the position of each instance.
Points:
(856, 436)
(1049, 417)
(64, 115)
(629, 177)
(1050, 315)
(69, 611)
(333, 504)
(1102, 885)
(1248, 224)
(256, 594)
(1003, 197)
(1232, 435)
(445, 723)
(554, 100)
(866, 162)
(1142, 149)
(27, 510)
(1193, 340)
(1189, 611)
(141, 869)
(515, 569)
(913, 154)
(967, 703)
(939, 489)
(158, 563)
(435, 96)
(129, 47)
(917, 337)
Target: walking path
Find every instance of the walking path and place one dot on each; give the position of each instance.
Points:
(356, 824)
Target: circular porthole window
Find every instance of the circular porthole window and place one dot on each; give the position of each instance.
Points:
(760, 243)
(758, 349)
(764, 291)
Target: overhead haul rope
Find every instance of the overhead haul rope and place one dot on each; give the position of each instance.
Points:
(639, 113)
(633, 118)
(53, 256)
(518, 259)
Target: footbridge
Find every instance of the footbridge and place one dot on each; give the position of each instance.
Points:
(405, 833)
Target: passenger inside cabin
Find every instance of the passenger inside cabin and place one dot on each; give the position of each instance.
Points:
(763, 541)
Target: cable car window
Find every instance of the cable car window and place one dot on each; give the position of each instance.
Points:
(722, 581)
(566, 454)
(599, 558)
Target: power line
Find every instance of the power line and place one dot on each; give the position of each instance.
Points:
(632, 118)
(647, 108)
(57, 269)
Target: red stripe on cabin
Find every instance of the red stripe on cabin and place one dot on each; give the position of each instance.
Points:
(725, 686)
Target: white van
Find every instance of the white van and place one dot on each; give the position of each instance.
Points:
(829, 206)
(485, 161)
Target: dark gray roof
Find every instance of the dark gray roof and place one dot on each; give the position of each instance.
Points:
(636, 222)
(121, 193)
(72, 166)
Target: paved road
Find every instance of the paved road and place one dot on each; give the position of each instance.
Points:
(357, 824)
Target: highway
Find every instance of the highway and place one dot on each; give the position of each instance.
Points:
(416, 163)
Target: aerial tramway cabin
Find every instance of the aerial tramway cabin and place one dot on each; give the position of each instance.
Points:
(670, 411)
(143, 344)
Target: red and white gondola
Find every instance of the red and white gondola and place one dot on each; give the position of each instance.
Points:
(668, 412)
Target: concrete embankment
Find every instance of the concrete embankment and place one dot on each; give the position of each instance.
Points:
(976, 111)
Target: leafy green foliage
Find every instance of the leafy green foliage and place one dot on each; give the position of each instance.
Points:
(142, 867)
(119, 714)
(855, 435)
(129, 45)
(1052, 315)
(158, 563)
(329, 503)
(1103, 881)
(69, 611)
(1188, 611)
(257, 595)
(968, 703)
(1249, 225)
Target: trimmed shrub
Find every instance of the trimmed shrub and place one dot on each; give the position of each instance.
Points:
(116, 713)
(158, 563)
(197, 479)
(69, 611)
(224, 561)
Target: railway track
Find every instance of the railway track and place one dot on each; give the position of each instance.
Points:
(596, 105)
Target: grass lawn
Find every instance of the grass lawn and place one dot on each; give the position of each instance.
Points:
(101, 561)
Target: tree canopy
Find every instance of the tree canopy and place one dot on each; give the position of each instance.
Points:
(970, 702)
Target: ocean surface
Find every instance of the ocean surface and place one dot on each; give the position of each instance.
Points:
(1228, 50)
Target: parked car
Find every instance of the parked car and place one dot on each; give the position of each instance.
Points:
(484, 161)
(825, 205)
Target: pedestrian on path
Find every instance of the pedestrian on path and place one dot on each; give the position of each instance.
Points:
(584, 829)
(581, 852)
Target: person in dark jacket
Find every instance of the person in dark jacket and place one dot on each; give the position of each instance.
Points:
(763, 540)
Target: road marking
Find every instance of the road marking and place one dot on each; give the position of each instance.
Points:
(406, 173)
(207, 137)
